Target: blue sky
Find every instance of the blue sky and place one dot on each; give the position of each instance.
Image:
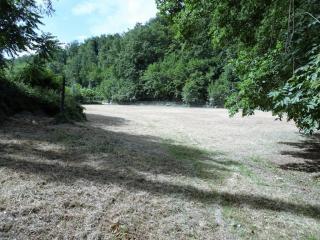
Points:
(78, 20)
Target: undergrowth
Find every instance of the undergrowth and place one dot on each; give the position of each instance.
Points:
(17, 97)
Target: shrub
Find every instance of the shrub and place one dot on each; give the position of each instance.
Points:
(165, 79)
(38, 76)
(85, 95)
(73, 112)
(192, 90)
(219, 90)
(17, 96)
(120, 91)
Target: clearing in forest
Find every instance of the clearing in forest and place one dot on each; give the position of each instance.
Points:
(154, 172)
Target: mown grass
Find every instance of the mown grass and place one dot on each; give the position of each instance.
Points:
(266, 178)
(261, 176)
(205, 164)
(213, 169)
(173, 175)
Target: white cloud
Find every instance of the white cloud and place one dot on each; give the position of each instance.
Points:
(84, 8)
(115, 16)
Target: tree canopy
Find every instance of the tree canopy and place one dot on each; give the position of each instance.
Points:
(146, 63)
(274, 48)
(19, 28)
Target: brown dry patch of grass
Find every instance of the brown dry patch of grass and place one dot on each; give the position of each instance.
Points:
(281, 191)
(82, 181)
(77, 181)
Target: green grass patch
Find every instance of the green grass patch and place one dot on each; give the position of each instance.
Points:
(312, 238)
(180, 152)
(211, 166)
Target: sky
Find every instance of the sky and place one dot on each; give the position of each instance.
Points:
(81, 19)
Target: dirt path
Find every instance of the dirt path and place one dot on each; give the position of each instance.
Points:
(147, 172)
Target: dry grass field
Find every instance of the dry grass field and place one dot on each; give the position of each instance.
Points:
(155, 172)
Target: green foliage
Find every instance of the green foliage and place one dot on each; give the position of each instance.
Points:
(146, 63)
(19, 21)
(73, 112)
(257, 54)
(89, 96)
(34, 88)
(165, 79)
(220, 90)
(268, 44)
(119, 91)
(28, 85)
(85, 95)
(38, 76)
(299, 99)
(191, 92)
(17, 96)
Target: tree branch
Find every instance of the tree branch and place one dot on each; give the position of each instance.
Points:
(313, 17)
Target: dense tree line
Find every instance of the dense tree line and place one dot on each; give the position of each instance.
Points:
(147, 63)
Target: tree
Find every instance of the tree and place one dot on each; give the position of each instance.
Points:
(146, 63)
(36, 86)
(269, 43)
(19, 25)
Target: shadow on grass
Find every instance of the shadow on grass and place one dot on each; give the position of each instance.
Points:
(309, 151)
(132, 161)
(106, 120)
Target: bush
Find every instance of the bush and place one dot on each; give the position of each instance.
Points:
(165, 79)
(156, 83)
(219, 90)
(73, 112)
(17, 96)
(38, 76)
(192, 90)
(90, 95)
(85, 95)
(120, 91)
